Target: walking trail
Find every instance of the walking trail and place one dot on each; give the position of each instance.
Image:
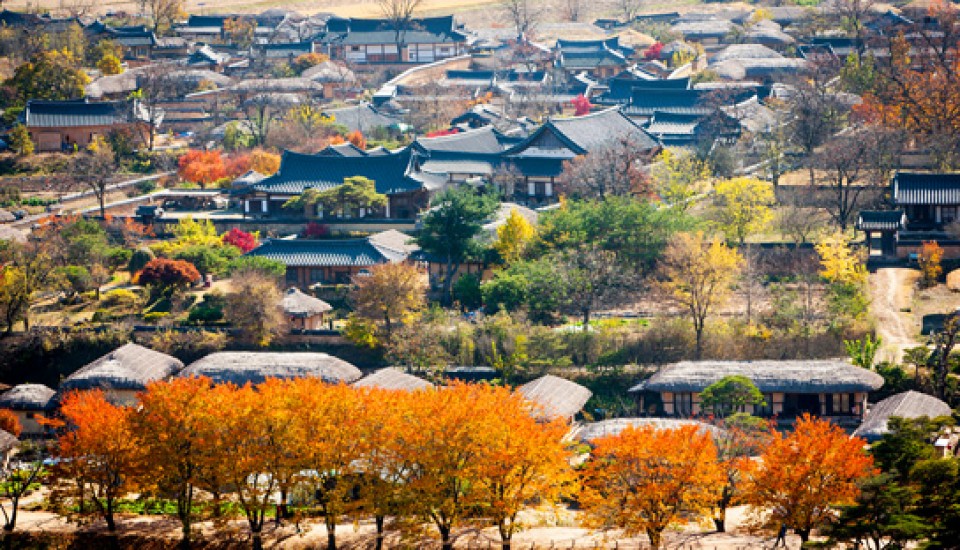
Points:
(891, 291)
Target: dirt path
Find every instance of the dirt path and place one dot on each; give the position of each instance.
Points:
(891, 291)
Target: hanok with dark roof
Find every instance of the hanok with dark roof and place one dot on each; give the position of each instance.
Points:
(28, 401)
(60, 125)
(246, 367)
(393, 174)
(907, 405)
(827, 388)
(881, 228)
(930, 200)
(331, 261)
(424, 40)
(281, 52)
(122, 373)
(540, 158)
(597, 58)
(686, 129)
(304, 312)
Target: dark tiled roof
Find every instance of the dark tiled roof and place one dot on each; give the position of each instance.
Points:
(322, 253)
(430, 30)
(299, 172)
(362, 117)
(872, 220)
(621, 87)
(600, 129)
(672, 126)
(342, 150)
(285, 49)
(77, 113)
(926, 188)
(591, 60)
(482, 140)
(645, 102)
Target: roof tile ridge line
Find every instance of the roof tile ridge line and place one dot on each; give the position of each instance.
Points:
(347, 240)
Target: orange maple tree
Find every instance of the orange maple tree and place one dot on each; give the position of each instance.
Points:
(801, 476)
(10, 423)
(643, 480)
(172, 427)
(202, 167)
(100, 448)
(356, 137)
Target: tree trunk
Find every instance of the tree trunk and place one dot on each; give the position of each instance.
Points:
(720, 523)
(108, 516)
(12, 521)
(331, 539)
(698, 352)
(804, 535)
(102, 196)
(655, 538)
(445, 542)
(586, 320)
(379, 544)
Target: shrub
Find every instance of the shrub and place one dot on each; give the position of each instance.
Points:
(139, 259)
(260, 264)
(123, 299)
(240, 239)
(315, 230)
(168, 274)
(931, 254)
(467, 291)
(155, 317)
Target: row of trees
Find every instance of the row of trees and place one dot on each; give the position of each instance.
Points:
(463, 455)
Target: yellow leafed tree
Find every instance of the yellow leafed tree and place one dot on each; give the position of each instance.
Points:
(697, 274)
(742, 207)
(513, 237)
(839, 263)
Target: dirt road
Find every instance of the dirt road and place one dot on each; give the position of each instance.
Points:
(891, 291)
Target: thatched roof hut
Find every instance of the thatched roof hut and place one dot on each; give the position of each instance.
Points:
(241, 367)
(130, 367)
(392, 379)
(297, 304)
(908, 404)
(27, 397)
(556, 397)
(613, 426)
(820, 376)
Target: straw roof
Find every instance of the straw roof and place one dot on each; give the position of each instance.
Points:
(556, 397)
(828, 375)
(7, 441)
(392, 379)
(908, 404)
(241, 367)
(27, 397)
(129, 367)
(613, 426)
(297, 304)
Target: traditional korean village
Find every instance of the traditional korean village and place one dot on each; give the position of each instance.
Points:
(479, 274)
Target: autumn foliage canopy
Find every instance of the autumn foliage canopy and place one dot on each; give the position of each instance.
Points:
(202, 167)
(168, 273)
(240, 239)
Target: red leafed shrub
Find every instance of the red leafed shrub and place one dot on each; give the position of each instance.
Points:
(447, 132)
(653, 52)
(581, 105)
(240, 239)
(315, 230)
(202, 167)
(168, 273)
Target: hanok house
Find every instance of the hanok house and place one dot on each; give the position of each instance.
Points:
(592, 431)
(380, 41)
(28, 402)
(392, 379)
(122, 373)
(555, 397)
(540, 158)
(828, 388)
(906, 405)
(924, 205)
(246, 367)
(407, 190)
(65, 125)
(304, 312)
(598, 58)
(328, 261)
